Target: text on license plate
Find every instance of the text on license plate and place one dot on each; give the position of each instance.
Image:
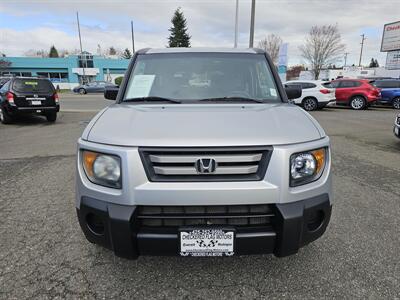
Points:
(207, 242)
(36, 102)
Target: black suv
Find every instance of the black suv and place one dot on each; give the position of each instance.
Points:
(24, 95)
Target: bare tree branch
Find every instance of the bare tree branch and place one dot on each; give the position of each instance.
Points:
(271, 44)
(322, 46)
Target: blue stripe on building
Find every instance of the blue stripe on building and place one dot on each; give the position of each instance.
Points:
(67, 71)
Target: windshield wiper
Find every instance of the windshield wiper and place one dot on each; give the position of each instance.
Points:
(151, 98)
(233, 99)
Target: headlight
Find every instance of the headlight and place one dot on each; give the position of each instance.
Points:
(306, 167)
(102, 169)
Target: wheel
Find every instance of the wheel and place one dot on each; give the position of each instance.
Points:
(358, 103)
(82, 91)
(51, 117)
(310, 104)
(396, 103)
(5, 118)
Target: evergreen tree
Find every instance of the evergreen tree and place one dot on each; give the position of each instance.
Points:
(372, 63)
(126, 54)
(179, 36)
(112, 51)
(53, 52)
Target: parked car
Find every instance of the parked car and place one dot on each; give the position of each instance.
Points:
(93, 87)
(396, 128)
(202, 155)
(25, 95)
(315, 95)
(390, 92)
(356, 93)
(3, 80)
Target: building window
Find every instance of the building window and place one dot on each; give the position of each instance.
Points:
(54, 76)
(85, 60)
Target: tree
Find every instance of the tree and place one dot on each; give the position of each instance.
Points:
(126, 54)
(294, 72)
(271, 44)
(53, 52)
(4, 65)
(179, 36)
(374, 63)
(322, 46)
(112, 51)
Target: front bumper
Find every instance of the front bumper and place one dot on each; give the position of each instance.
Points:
(293, 227)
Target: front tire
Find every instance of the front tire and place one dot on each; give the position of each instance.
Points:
(51, 117)
(358, 103)
(310, 104)
(5, 118)
(396, 103)
(82, 91)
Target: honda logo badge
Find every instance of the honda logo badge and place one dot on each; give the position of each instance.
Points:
(206, 165)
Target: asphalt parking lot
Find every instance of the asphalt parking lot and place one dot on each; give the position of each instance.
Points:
(43, 253)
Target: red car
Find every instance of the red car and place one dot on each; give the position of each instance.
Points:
(356, 93)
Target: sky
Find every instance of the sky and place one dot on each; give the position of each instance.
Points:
(38, 24)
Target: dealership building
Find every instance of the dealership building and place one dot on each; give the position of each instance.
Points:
(68, 72)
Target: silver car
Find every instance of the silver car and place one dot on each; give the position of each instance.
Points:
(202, 155)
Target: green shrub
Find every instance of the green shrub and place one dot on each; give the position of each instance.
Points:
(118, 80)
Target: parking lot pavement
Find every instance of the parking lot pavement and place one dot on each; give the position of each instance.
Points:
(70, 102)
(43, 253)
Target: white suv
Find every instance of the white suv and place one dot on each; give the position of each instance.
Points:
(201, 155)
(316, 94)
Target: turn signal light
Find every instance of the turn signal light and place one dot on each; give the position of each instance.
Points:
(56, 98)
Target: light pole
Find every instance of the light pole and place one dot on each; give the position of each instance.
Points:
(133, 39)
(345, 58)
(363, 38)
(80, 44)
(253, 12)
(236, 24)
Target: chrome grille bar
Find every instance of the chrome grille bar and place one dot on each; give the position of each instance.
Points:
(192, 171)
(192, 158)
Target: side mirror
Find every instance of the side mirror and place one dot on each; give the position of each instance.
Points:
(111, 93)
(293, 91)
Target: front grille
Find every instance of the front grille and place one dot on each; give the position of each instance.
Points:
(234, 215)
(206, 164)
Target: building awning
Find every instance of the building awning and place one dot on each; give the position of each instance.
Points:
(88, 71)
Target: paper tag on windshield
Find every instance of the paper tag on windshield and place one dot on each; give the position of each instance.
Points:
(140, 86)
(273, 92)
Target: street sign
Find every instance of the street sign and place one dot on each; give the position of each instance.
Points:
(391, 37)
(393, 60)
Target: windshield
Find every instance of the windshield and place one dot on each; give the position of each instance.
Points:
(32, 85)
(197, 76)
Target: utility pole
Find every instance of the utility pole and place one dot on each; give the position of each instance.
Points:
(236, 24)
(345, 58)
(253, 12)
(363, 38)
(133, 39)
(80, 43)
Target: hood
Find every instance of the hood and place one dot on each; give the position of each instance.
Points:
(193, 125)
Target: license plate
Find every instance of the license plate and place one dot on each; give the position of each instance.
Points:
(207, 242)
(36, 102)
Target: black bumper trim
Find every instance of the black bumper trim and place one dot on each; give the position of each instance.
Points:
(121, 234)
